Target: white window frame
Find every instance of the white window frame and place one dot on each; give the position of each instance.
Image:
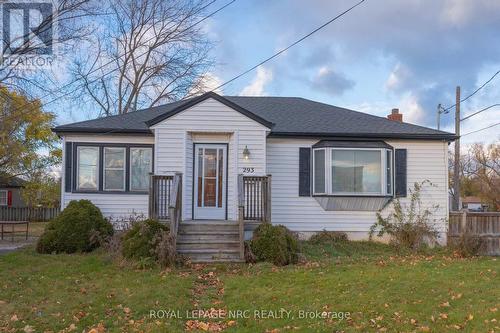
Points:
(104, 169)
(78, 169)
(314, 169)
(130, 168)
(383, 170)
(6, 198)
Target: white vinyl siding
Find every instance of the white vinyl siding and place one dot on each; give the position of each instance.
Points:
(209, 122)
(426, 160)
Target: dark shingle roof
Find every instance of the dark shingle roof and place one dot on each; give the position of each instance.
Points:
(286, 116)
(10, 181)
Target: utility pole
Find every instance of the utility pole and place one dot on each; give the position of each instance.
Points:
(438, 113)
(456, 166)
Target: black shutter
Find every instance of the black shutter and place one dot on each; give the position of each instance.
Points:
(304, 172)
(68, 163)
(400, 159)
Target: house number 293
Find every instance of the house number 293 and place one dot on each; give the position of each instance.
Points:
(248, 170)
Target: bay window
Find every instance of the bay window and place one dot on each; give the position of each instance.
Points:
(352, 172)
(114, 169)
(140, 167)
(88, 168)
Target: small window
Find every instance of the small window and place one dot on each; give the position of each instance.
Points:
(87, 168)
(3, 198)
(114, 169)
(140, 167)
(319, 171)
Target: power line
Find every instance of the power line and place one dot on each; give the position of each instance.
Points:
(481, 129)
(445, 110)
(486, 108)
(289, 46)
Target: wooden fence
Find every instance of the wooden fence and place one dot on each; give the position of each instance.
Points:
(32, 214)
(485, 225)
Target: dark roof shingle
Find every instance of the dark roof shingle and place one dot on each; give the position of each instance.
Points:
(290, 116)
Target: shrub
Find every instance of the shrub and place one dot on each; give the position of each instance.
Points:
(164, 251)
(275, 244)
(468, 245)
(326, 237)
(409, 226)
(75, 229)
(141, 240)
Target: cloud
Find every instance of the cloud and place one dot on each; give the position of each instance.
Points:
(330, 81)
(398, 77)
(261, 79)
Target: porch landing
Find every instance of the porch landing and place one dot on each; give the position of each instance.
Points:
(209, 240)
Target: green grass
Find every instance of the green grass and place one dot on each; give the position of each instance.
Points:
(381, 289)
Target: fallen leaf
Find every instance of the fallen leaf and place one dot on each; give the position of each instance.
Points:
(443, 315)
(126, 310)
(14, 318)
(445, 304)
(28, 329)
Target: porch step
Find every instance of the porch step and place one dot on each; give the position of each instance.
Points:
(213, 227)
(211, 255)
(208, 245)
(209, 240)
(207, 236)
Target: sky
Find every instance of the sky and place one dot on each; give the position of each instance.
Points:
(384, 54)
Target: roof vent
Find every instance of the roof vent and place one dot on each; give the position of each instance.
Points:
(395, 115)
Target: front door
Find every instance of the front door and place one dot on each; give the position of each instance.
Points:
(210, 177)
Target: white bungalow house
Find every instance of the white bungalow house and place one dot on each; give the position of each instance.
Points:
(214, 163)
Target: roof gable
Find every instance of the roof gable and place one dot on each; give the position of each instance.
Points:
(204, 97)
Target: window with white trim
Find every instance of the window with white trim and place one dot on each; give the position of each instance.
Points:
(140, 167)
(87, 168)
(114, 168)
(4, 198)
(349, 171)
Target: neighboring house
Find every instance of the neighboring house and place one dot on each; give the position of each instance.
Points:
(332, 168)
(474, 204)
(10, 192)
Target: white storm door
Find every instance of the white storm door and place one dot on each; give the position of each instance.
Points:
(210, 177)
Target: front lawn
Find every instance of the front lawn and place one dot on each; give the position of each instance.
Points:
(381, 290)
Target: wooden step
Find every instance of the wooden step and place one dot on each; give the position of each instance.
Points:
(210, 255)
(202, 237)
(208, 245)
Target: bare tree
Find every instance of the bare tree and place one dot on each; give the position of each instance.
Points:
(62, 29)
(479, 173)
(151, 52)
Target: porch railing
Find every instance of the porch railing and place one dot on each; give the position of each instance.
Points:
(257, 198)
(165, 200)
(159, 196)
(254, 203)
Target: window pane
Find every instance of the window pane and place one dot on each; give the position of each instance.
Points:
(114, 169)
(141, 166)
(88, 160)
(114, 180)
(114, 157)
(356, 171)
(3, 198)
(319, 171)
